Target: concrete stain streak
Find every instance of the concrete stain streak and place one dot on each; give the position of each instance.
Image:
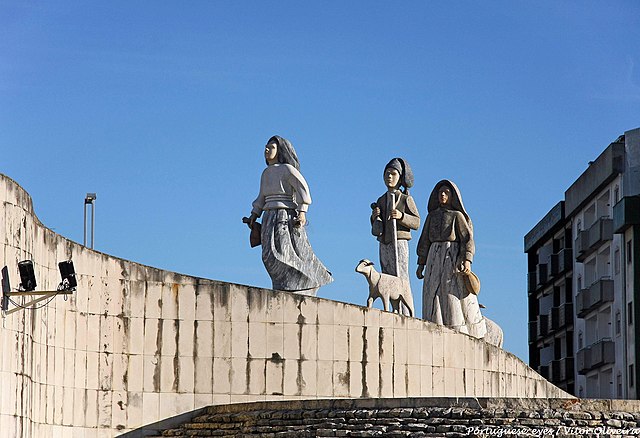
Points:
(364, 362)
(158, 357)
(380, 354)
(176, 360)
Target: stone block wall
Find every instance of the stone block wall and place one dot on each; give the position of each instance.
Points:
(136, 344)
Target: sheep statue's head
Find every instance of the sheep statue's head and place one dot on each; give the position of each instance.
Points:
(364, 266)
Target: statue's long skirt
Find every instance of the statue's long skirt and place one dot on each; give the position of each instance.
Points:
(288, 256)
(445, 300)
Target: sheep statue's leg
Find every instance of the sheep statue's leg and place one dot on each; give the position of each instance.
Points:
(385, 303)
(370, 302)
(394, 305)
(408, 304)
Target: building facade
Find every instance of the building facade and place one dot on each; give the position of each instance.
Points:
(583, 279)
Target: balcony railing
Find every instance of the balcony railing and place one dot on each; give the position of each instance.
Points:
(601, 231)
(543, 277)
(533, 331)
(562, 370)
(588, 241)
(626, 213)
(597, 294)
(583, 358)
(565, 315)
(543, 325)
(544, 370)
(596, 355)
(561, 317)
(581, 245)
(532, 282)
(561, 261)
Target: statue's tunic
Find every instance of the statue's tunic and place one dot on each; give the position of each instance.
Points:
(445, 243)
(286, 252)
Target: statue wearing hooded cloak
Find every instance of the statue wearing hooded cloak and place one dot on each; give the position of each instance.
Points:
(445, 244)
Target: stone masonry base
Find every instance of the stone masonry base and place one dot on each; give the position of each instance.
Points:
(415, 417)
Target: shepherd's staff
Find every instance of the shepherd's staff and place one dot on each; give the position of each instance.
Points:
(394, 234)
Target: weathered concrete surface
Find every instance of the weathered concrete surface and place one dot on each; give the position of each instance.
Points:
(136, 344)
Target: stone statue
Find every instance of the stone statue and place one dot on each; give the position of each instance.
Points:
(284, 198)
(389, 288)
(446, 248)
(393, 217)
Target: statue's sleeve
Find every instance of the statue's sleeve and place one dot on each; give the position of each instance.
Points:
(464, 233)
(424, 243)
(299, 185)
(259, 202)
(411, 216)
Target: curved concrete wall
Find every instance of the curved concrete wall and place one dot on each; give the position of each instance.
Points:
(136, 344)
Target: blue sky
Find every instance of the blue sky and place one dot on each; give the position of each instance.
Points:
(163, 108)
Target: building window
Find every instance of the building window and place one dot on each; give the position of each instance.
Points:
(579, 282)
(631, 376)
(630, 312)
(619, 384)
(580, 392)
(616, 195)
(629, 259)
(616, 261)
(618, 324)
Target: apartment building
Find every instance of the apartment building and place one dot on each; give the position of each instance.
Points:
(583, 275)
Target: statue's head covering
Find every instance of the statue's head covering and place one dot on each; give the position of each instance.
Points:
(286, 152)
(403, 168)
(455, 202)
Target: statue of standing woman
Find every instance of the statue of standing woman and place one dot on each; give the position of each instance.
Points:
(393, 217)
(284, 199)
(446, 249)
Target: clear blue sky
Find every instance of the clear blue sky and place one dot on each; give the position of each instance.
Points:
(163, 108)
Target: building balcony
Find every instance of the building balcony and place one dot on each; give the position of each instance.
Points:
(599, 354)
(562, 370)
(561, 262)
(561, 317)
(597, 294)
(626, 213)
(533, 331)
(531, 282)
(583, 359)
(601, 231)
(542, 325)
(581, 246)
(542, 274)
(565, 315)
(588, 241)
(544, 370)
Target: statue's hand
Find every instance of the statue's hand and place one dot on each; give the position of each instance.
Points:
(419, 272)
(375, 213)
(396, 214)
(465, 266)
(301, 220)
(252, 220)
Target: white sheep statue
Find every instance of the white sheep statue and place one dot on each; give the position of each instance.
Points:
(389, 288)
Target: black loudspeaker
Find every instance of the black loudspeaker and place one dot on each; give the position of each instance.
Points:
(27, 276)
(67, 272)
